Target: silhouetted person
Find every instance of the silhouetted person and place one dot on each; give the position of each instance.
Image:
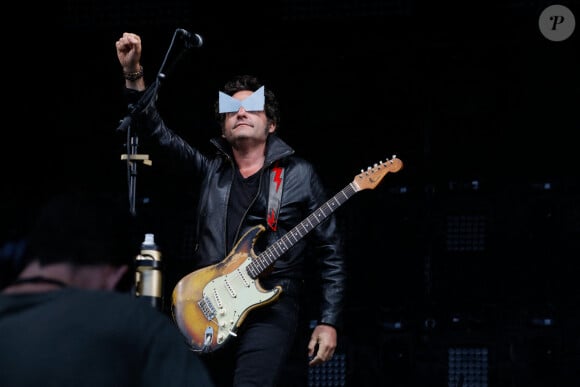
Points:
(64, 322)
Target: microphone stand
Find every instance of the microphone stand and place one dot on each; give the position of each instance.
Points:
(132, 142)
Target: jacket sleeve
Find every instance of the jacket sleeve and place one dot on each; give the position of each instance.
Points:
(151, 125)
(328, 251)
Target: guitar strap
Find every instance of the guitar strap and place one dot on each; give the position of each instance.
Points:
(276, 183)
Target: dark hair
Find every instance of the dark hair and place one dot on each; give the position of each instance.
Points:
(251, 83)
(82, 228)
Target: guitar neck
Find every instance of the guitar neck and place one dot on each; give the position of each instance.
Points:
(273, 252)
(368, 179)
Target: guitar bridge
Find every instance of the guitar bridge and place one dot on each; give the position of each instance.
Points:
(207, 308)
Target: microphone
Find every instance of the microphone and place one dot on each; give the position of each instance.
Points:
(191, 40)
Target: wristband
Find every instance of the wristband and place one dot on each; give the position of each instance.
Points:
(134, 75)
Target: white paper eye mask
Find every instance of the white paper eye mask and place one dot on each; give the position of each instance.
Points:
(253, 102)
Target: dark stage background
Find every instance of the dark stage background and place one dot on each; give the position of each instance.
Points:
(473, 245)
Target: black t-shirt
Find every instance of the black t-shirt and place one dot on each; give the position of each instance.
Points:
(73, 337)
(241, 196)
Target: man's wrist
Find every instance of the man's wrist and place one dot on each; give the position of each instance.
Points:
(133, 75)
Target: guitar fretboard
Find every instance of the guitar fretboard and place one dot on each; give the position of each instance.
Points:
(272, 253)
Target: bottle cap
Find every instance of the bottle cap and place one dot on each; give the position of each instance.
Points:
(149, 239)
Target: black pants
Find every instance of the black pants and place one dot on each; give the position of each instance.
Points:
(270, 348)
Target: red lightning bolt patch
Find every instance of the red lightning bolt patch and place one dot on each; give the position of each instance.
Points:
(272, 220)
(277, 174)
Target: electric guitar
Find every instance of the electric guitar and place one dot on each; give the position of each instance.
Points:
(210, 304)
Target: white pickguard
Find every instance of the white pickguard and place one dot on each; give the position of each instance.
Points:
(232, 295)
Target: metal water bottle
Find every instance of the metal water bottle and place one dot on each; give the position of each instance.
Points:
(148, 272)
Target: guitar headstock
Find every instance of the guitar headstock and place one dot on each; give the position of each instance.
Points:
(370, 178)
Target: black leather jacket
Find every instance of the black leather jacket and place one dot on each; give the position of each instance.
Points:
(303, 193)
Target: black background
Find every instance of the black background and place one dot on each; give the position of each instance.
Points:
(473, 242)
